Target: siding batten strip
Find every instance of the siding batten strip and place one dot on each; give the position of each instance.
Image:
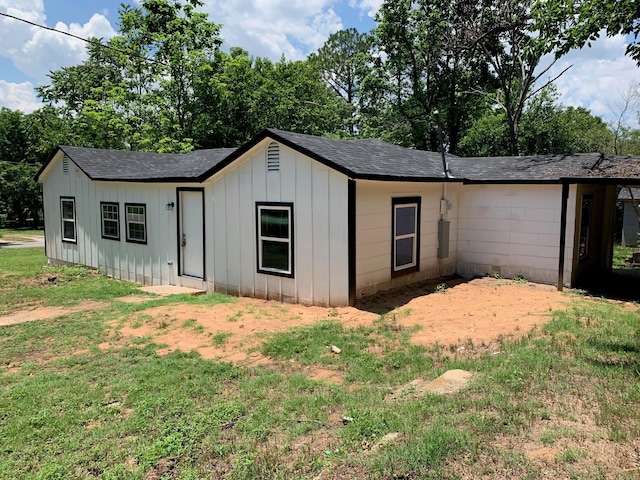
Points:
(351, 238)
(563, 235)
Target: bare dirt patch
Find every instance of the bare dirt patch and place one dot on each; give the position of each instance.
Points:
(463, 315)
(43, 313)
(467, 313)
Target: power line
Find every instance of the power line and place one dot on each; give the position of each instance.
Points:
(94, 42)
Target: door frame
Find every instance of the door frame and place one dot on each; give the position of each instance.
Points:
(179, 191)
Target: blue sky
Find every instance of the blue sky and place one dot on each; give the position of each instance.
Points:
(267, 28)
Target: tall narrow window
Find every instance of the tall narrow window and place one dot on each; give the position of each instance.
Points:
(275, 238)
(68, 214)
(110, 220)
(406, 236)
(136, 222)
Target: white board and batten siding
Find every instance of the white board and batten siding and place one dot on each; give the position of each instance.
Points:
(511, 230)
(374, 233)
(319, 196)
(153, 263)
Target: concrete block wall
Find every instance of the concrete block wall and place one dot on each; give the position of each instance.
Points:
(512, 230)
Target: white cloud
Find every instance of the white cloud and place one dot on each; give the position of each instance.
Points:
(598, 76)
(36, 51)
(271, 28)
(15, 33)
(18, 96)
(369, 7)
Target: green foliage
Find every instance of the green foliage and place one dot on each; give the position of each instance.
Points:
(150, 99)
(420, 69)
(570, 25)
(20, 196)
(487, 136)
(21, 152)
(343, 62)
(621, 255)
(545, 128)
(186, 93)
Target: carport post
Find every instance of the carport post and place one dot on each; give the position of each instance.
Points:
(563, 235)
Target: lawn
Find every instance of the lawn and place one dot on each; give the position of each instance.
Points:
(562, 402)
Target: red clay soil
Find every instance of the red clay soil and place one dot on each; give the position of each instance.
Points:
(475, 312)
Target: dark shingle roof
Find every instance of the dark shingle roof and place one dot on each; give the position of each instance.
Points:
(368, 158)
(360, 159)
(541, 168)
(121, 165)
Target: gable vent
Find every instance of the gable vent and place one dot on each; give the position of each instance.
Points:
(65, 165)
(273, 157)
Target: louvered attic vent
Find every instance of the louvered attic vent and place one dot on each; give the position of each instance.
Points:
(65, 165)
(273, 157)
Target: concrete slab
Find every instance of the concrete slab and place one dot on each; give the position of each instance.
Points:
(166, 290)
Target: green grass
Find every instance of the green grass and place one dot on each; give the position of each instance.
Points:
(70, 409)
(27, 280)
(21, 231)
(621, 254)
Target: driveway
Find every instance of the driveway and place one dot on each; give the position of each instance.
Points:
(24, 241)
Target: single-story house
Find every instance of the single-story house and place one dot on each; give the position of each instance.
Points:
(323, 221)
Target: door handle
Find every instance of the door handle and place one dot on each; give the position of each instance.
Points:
(184, 240)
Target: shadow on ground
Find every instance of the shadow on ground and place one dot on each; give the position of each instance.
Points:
(384, 302)
(620, 284)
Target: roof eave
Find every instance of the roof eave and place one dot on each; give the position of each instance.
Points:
(404, 178)
(46, 164)
(518, 181)
(150, 180)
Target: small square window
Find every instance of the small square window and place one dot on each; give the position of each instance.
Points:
(275, 238)
(136, 219)
(68, 215)
(110, 216)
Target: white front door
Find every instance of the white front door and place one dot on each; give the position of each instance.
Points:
(191, 234)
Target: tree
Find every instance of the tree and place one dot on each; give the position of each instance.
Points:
(622, 109)
(14, 141)
(343, 62)
(142, 91)
(19, 194)
(506, 34)
(546, 128)
(293, 97)
(423, 69)
(569, 25)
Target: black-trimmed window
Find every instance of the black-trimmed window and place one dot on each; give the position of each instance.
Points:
(405, 255)
(275, 238)
(136, 220)
(110, 218)
(68, 216)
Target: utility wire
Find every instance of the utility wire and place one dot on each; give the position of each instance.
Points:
(94, 42)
